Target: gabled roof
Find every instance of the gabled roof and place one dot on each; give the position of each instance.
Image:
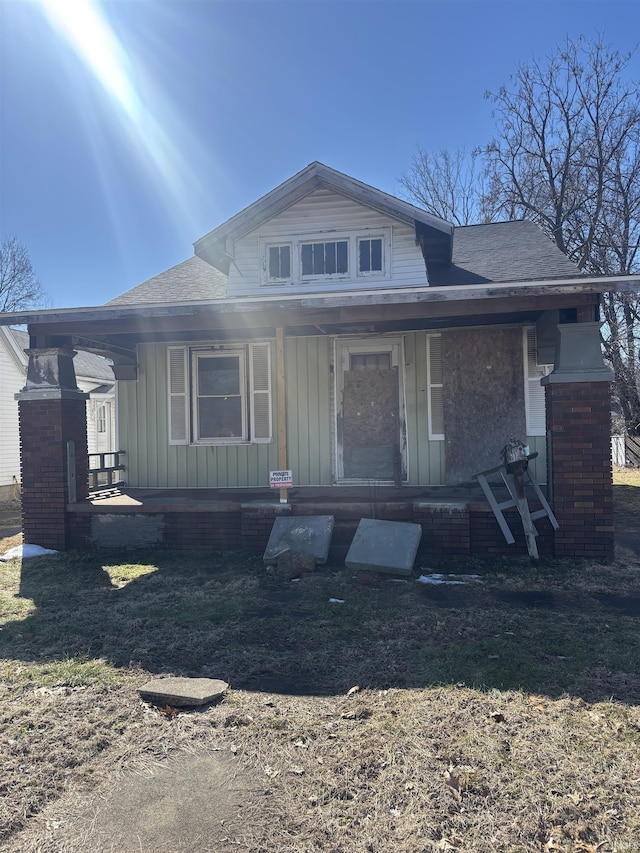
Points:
(215, 247)
(502, 251)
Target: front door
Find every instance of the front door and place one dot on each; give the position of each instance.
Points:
(370, 412)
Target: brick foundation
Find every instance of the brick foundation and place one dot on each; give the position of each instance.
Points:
(46, 425)
(256, 523)
(579, 458)
(445, 531)
(450, 532)
(487, 539)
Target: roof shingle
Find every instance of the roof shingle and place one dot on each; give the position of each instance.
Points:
(194, 280)
(500, 252)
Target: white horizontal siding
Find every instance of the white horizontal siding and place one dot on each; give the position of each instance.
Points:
(12, 379)
(322, 212)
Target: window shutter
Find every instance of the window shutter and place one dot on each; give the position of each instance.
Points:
(260, 392)
(435, 383)
(534, 391)
(178, 394)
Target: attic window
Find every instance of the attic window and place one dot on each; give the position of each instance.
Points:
(370, 255)
(279, 263)
(326, 257)
(330, 258)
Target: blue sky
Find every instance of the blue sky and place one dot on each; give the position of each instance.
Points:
(206, 105)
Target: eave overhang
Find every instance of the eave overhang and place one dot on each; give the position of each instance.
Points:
(114, 331)
(424, 295)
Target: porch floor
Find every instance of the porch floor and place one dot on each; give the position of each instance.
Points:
(306, 497)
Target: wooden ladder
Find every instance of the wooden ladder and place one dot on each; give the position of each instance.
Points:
(517, 498)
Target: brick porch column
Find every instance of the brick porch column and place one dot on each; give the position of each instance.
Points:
(578, 406)
(52, 412)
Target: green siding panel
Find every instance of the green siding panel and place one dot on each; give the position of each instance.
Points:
(425, 457)
(152, 462)
(309, 427)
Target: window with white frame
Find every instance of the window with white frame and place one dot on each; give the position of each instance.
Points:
(370, 255)
(534, 398)
(325, 258)
(101, 418)
(342, 256)
(278, 263)
(219, 404)
(435, 388)
(219, 395)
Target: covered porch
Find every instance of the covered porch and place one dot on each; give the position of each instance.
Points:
(456, 519)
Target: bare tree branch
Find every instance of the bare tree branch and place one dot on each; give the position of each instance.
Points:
(566, 155)
(19, 287)
(447, 184)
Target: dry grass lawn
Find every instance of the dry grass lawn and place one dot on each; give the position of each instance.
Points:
(501, 716)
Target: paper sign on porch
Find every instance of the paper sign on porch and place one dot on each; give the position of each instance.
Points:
(281, 479)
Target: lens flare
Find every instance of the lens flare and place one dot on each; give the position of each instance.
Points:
(161, 145)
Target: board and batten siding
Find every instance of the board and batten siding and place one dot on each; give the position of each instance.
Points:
(325, 212)
(153, 463)
(425, 457)
(309, 410)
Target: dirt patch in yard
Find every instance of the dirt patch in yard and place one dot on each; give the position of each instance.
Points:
(193, 799)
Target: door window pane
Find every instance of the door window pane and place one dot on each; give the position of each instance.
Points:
(370, 361)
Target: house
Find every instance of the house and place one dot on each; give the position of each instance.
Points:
(94, 376)
(379, 353)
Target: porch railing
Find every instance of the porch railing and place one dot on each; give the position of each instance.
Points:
(632, 451)
(104, 470)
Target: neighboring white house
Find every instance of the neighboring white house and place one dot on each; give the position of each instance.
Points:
(93, 375)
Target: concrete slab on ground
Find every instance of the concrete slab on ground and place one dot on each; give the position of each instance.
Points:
(384, 546)
(183, 692)
(300, 534)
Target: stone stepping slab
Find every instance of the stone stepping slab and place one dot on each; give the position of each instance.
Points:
(183, 692)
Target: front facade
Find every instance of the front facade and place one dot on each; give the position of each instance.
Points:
(360, 342)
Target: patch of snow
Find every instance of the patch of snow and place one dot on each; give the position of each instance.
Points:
(435, 578)
(25, 551)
